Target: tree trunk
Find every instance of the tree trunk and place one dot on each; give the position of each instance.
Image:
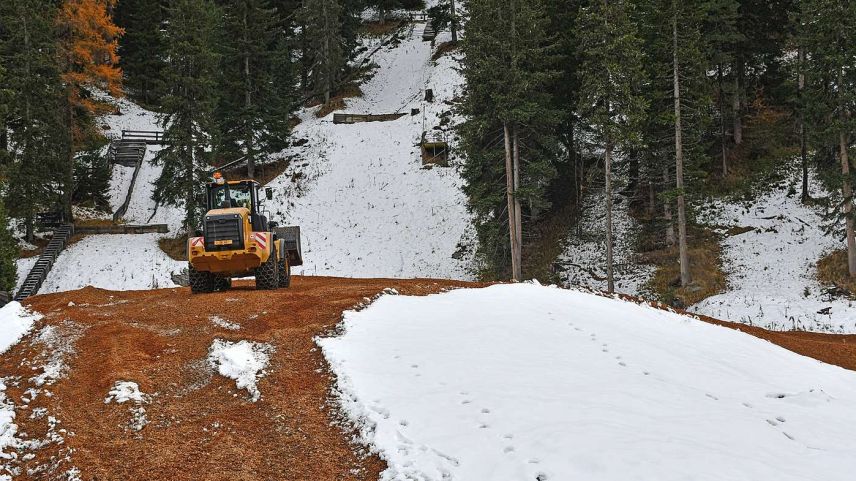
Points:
(803, 137)
(846, 188)
(847, 191)
(509, 193)
(667, 210)
(518, 212)
(722, 145)
(454, 21)
(69, 173)
(679, 158)
(738, 122)
(248, 102)
(610, 279)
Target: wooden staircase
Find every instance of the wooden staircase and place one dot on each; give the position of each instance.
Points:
(130, 153)
(46, 261)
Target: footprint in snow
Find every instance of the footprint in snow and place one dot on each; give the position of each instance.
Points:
(485, 411)
(712, 396)
(508, 449)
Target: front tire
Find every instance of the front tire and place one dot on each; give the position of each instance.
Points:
(200, 282)
(267, 274)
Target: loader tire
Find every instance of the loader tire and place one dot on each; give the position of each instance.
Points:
(284, 274)
(200, 282)
(267, 274)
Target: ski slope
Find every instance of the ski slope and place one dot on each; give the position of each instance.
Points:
(772, 274)
(365, 205)
(537, 383)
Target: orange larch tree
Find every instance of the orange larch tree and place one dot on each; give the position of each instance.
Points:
(88, 42)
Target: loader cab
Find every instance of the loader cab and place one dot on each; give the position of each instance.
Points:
(237, 194)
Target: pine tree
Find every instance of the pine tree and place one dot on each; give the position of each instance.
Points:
(188, 106)
(34, 93)
(324, 53)
(828, 35)
(511, 115)
(719, 29)
(677, 125)
(255, 76)
(8, 254)
(610, 102)
(88, 60)
(141, 48)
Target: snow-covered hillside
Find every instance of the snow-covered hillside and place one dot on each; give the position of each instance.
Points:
(771, 269)
(584, 257)
(537, 383)
(365, 204)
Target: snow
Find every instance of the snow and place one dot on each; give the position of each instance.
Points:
(141, 208)
(583, 259)
(24, 265)
(365, 205)
(530, 382)
(771, 269)
(118, 262)
(225, 324)
(124, 391)
(243, 361)
(129, 391)
(16, 321)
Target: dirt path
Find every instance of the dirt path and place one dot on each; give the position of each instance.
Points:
(200, 427)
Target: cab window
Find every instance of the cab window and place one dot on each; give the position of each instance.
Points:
(238, 196)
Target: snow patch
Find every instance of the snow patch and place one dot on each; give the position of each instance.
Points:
(243, 361)
(772, 269)
(129, 391)
(583, 260)
(220, 322)
(16, 320)
(118, 262)
(529, 382)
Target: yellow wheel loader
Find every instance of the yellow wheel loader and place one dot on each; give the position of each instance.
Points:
(238, 240)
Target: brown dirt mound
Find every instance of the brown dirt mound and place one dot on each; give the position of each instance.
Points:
(200, 426)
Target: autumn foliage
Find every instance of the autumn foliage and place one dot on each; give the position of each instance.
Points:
(88, 46)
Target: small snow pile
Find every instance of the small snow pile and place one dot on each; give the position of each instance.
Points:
(124, 391)
(129, 391)
(15, 321)
(529, 382)
(772, 274)
(220, 322)
(243, 361)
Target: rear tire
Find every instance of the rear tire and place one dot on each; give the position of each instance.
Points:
(200, 282)
(267, 274)
(284, 273)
